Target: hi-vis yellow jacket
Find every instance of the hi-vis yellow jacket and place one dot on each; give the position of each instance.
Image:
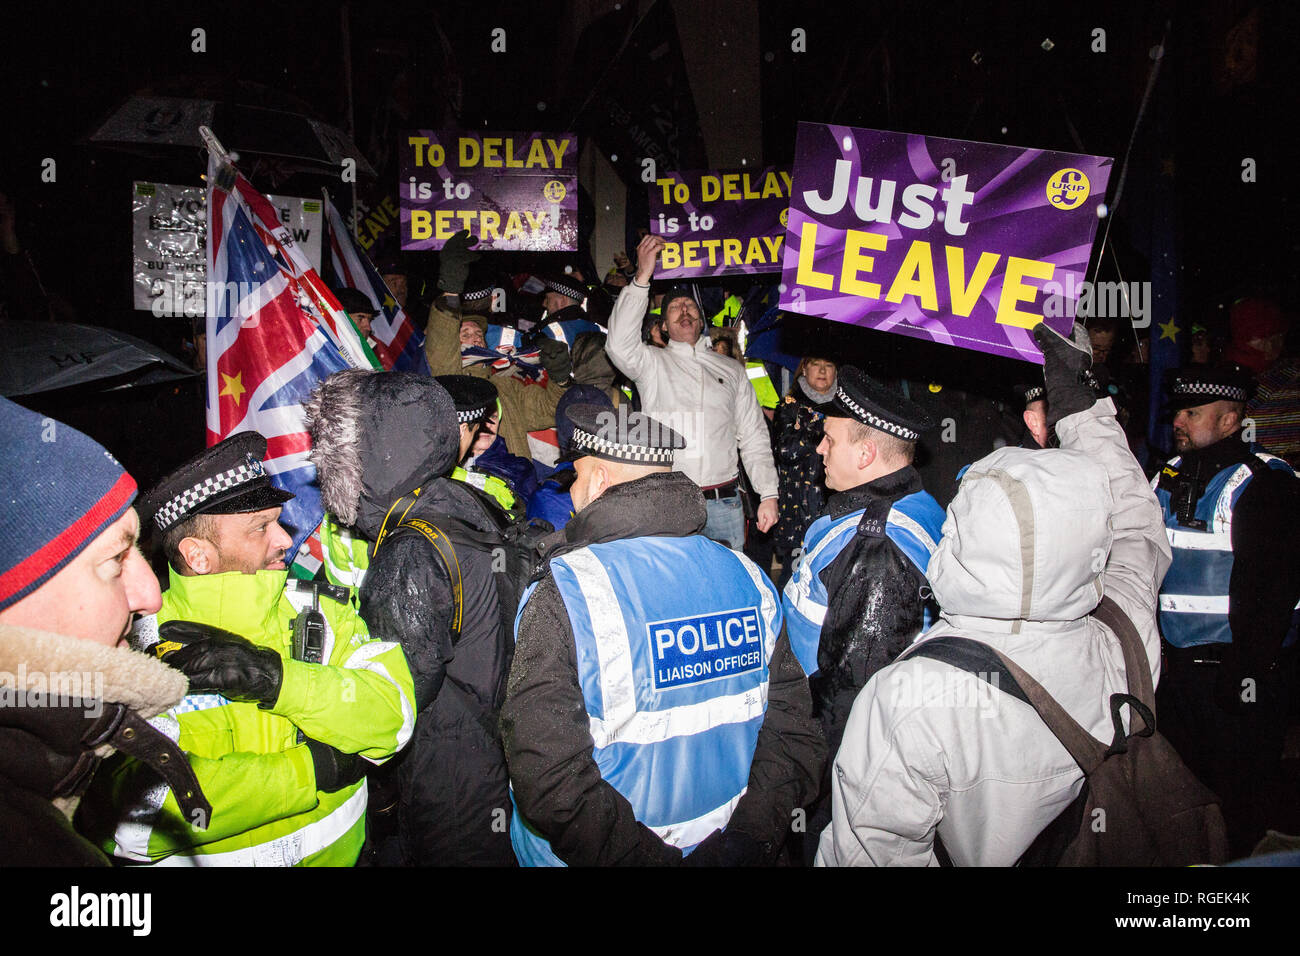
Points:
(260, 780)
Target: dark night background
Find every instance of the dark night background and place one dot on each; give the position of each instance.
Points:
(1226, 91)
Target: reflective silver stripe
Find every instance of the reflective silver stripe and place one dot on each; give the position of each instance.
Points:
(771, 607)
(1194, 603)
(613, 649)
(799, 588)
(805, 605)
(691, 832)
(903, 521)
(131, 837)
(656, 726)
(363, 658)
(1199, 540)
(290, 849)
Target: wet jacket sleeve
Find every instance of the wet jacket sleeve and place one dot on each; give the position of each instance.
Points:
(875, 612)
(1139, 553)
(548, 745)
(408, 598)
(788, 756)
(362, 702)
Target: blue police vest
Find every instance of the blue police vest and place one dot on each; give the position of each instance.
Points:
(1194, 595)
(674, 678)
(915, 524)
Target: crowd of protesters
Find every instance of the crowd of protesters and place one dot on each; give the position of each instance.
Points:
(502, 657)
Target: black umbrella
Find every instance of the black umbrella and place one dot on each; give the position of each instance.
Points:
(45, 356)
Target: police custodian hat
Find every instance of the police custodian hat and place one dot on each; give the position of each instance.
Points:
(1190, 387)
(475, 398)
(619, 435)
(863, 399)
(226, 479)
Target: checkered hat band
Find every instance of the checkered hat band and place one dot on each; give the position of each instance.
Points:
(875, 422)
(191, 498)
(572, 291)
(1228, 393)
(633, 453)
(1033, 394)
(471, 415)
(474, 295)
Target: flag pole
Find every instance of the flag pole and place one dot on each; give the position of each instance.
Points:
(213, 144)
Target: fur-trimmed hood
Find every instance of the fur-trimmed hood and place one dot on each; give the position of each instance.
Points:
(32, 660)
(377, 436)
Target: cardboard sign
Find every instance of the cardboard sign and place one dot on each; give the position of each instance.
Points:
(720, 221)
(950, 240)
(169, 275)
(512, 191)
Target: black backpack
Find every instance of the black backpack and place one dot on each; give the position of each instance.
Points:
(514, 545)
(1140, 805)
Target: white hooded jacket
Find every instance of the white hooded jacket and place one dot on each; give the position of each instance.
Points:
(699, 393)
(1032, 541)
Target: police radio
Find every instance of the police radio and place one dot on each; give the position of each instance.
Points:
(309, 633)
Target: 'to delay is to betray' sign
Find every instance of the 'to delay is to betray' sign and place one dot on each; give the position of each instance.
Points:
(720, 221)
(943, 239)
(512, 191)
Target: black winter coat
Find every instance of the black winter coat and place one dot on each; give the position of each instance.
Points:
(450, 782)
(545, 722)
(377, 438)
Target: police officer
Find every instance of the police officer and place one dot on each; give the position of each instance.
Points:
(654, 708)
(476, 405)
(1227, 605)
(565, 317)
(855, 600)
(290, 698)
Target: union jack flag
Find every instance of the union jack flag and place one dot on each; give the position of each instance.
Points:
(272, 336)
(399, 344)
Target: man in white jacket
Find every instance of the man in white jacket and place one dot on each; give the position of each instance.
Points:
(704, 396)
(1032, 541)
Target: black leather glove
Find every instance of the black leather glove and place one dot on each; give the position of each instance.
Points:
(726, 848)
(454, 261)
(334, 769)
(218, 662)
(1067, 378)
(555, 359)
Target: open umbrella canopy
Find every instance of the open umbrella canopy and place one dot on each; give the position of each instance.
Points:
(45, 356)
(145, 122)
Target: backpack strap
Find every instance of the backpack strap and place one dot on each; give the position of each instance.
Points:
(1137, 667)
(981, 660)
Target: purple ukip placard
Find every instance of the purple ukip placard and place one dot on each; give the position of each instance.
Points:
(720, 222)
(962, 243)
(512, 191)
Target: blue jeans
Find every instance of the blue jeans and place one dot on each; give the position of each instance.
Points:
(726, 522)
